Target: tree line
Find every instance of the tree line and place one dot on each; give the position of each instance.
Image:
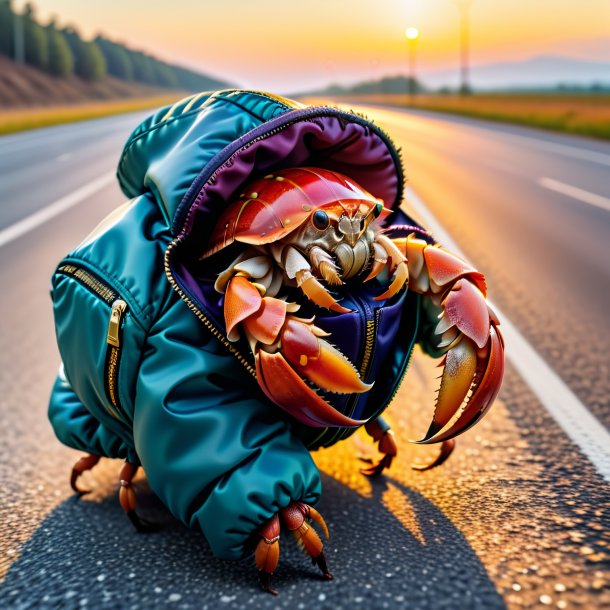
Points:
(62, 52)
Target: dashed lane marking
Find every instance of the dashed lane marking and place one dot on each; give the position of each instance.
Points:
(575, 193)
(33, 221)
(581, 426)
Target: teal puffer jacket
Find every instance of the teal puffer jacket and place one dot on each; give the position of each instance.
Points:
(147, 373)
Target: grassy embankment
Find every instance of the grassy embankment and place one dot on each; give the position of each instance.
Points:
(585, 114)
(12, 120)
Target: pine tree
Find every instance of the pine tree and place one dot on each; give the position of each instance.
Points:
(89, 62)
(118, 60)
(7, 26)
(143, 70)
(93, 64)
(61, 59)
(36, 45)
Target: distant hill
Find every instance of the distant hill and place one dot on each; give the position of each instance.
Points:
(534, 73)
(388, 84)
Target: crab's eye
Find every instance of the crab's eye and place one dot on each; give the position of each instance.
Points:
(320, 220)
(378, 210)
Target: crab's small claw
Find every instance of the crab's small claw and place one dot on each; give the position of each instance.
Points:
(85, 463)
(304, 353)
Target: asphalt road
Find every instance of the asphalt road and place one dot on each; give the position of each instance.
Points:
(518, 517)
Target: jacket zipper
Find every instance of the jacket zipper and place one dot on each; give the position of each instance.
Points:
(369, 341)
(206, 321)
(113, 357)
(113, 335)
(403, 372)
(92, 282)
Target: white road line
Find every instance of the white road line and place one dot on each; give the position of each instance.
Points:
(575, 192)
(566, 150)
(64, 132)
(29, 223)
(573, 417)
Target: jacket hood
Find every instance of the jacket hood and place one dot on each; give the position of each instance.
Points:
(194, 155)
(194, 158)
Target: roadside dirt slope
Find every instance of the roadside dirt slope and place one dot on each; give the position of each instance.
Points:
(25, 86)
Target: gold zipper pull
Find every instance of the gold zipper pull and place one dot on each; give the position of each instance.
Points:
(118, 309)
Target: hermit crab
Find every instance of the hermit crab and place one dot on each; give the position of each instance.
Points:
(258, 297)
(306, 233)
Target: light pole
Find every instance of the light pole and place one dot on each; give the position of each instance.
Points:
(464, 8)
(412, 35)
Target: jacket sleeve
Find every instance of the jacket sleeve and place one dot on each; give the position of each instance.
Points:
(214, 450)
(76, 427)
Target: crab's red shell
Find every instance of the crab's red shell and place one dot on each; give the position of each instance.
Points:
(274, 206)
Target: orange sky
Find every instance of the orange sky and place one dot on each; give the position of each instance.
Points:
(281, 46)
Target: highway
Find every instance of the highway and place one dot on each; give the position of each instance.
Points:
(519, 517)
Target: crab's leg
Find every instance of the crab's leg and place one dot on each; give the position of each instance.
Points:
(396, 262)
(255, 266)
(294, 518)
(382, 434)
(85, 463)
(297, 267)
(447, 448)
(267, 553)
(380, 258)
(467, 332)
(287, 351)
(127, 499)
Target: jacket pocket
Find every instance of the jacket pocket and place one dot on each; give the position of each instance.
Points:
(92, 320)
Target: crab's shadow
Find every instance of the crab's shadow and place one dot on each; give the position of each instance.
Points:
(389, 548)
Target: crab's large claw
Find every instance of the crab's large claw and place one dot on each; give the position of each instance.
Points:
(474, 363)
(287, 351)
